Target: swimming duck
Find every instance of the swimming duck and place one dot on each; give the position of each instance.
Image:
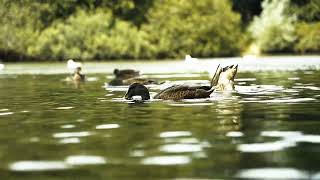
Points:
(189, 59)
(222, 80)
(123, 82)
(77, 76)
(72, 65)
(137, 90)
(125, 73)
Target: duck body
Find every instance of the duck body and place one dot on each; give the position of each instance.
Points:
(77, 76)
(178, 92)
(189, 59)
(72, 65)
(125, 73)
(137, 89)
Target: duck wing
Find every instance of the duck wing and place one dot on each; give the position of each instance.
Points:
(178, 92)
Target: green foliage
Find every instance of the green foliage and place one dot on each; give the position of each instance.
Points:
(306, 10)
(308, 37)
(19, 26)
(90, 35)
(201, 28)
(274, 30)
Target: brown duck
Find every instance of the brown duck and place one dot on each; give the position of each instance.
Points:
(125, 73)
(124, 82)
(77, 76)
(222, 80)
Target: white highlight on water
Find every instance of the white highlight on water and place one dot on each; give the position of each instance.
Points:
(38, 166)
(170, 134)
(85, 160)
(71, 134)
(272, 173)
(166, 160)
(107, 126)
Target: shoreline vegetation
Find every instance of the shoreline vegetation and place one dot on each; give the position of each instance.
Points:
(156, 29)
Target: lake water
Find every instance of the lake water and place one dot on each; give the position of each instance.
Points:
(269, 128)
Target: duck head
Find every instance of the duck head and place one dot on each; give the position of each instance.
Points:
(224, 78)
(137, 90)
(77, 70)
(116, 71)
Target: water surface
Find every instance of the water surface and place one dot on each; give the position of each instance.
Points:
(52, 129)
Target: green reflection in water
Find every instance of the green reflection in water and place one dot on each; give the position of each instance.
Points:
(43, 118)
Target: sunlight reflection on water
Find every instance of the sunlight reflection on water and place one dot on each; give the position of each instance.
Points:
(166, 160)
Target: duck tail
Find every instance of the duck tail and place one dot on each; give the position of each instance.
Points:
(215, 78)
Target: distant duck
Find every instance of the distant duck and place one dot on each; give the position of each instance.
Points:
(124, 82)
(72, 65)
(77, 76)
(125, 73)
(1, 67)
(222, 80)
(189, 59)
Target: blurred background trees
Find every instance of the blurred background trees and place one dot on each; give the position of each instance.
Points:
(155, 29)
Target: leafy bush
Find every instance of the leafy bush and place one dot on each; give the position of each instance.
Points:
(308, 37)
(19, 26)
(201, 28)
(90, 35)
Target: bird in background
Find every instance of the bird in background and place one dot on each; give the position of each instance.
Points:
(189, 59)
(72, 65)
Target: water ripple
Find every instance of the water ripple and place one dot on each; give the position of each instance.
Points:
(170, 134)
(180, 148)
(166, 160)
(38, 166)
(6, 113)
(71, 134)
(73, 140)
(64, 108)
(272, 173)
(85, 160)
(107, 126)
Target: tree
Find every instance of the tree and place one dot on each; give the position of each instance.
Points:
(201, 28)
(274, 30)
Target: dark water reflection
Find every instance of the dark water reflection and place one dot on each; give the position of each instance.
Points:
(52, 129)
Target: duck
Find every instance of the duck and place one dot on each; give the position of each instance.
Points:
(223, 80)
(125, 73)
(72, 65)
(137, 92)
(127, 82)
(77, 76)
(189, 59)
